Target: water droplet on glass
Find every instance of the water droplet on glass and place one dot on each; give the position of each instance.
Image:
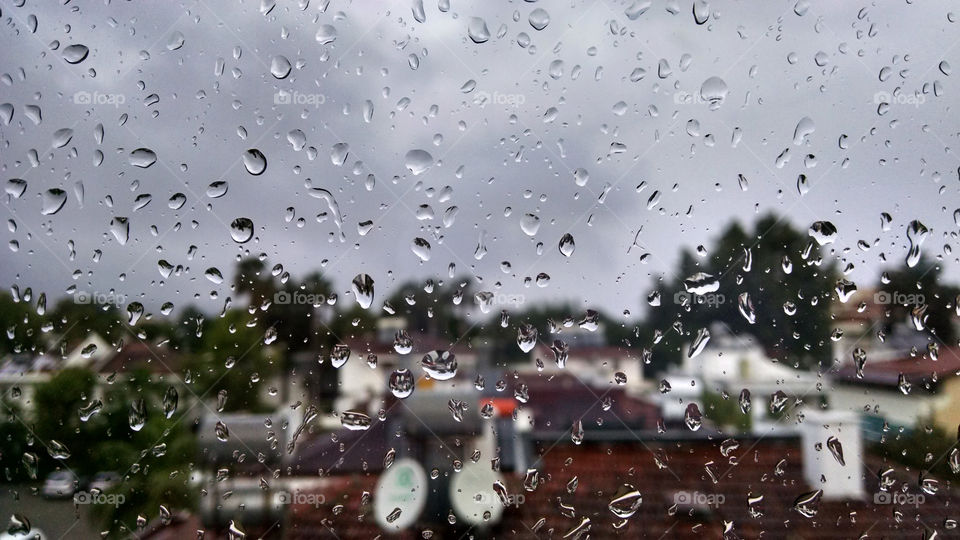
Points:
(241, 230)
(836, 449)
(326, 34)
(74, 54)
(362, 286)
(52, 201)
(402, 343)
(254, 161)
(539, 19)
(280, 67)
(692, 417)
(567, 245)
(701, 11)
(440, 365)
(530, 224)
(823, 232)
(339, 355)
(120, 228)
(477, 30)
(703, 336)
(421, 248)
(626, 502)
(401, 383)
(417, 161)
(142, 157)
(916, 233)
(355, 421)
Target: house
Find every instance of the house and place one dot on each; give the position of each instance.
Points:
(677, 484)
(728, 365)
(586, 354)
(902, 392)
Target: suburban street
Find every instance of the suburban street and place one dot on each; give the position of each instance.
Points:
(57, 519)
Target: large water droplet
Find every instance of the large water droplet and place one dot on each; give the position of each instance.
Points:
(74, 54)
(823, 232)
(339, 355)
(142, 157)
(530, 224)
(477, 30)
(241, 230)
(362, 286)
(567, 245)
(440, 365)
(692, 417)
(401, 383)
(326, 34)
(539, 19)
(52, 201)
(714, 92)
(120, 228)
(701, 283)
(805, 128)
(703, 336)
(62, 137)
(527, 336)
(701, 11)
(254, 161)
(626, 502)
(418, 161)
(916, 233)
(836, 449)
(280, 67)
(355, 421)
(421, 248)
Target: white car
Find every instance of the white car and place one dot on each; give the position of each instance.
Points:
(59, 484)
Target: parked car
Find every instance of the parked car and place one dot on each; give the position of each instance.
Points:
(104, 480)
(59, 484)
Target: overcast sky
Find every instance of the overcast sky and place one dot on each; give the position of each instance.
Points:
(605, 87)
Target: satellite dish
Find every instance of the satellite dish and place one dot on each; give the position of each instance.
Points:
(472, 495)
(401, 495)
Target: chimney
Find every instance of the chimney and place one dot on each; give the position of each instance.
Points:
(821, 469)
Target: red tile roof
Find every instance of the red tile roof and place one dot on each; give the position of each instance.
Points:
(916, 369)
(769, 467)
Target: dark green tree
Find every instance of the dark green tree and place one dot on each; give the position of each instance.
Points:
(908, 288)
(755, 263)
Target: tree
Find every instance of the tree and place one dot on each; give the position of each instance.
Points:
(907, 288)
(21, 326)
(231, 357)
(57, 404)
(154, 462)
(755, 263)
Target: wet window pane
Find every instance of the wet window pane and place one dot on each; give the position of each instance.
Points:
(449, 269)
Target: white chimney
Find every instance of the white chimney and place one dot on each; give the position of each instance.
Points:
(821, 469)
